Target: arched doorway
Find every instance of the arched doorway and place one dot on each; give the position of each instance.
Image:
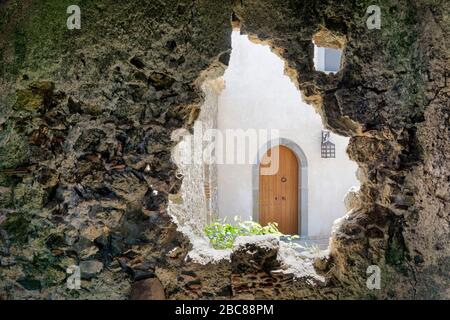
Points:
(302, 183)
(278, 190)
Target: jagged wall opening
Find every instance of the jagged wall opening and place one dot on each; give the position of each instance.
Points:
(197, 203)
(260, 100)
(81, 120)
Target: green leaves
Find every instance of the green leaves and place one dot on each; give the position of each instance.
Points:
(222, 234)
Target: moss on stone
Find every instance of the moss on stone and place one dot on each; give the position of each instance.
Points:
(395, 254)
(39, 33)
(28, 101)
(34, 98)
(29, 197)
(5, 197)
(13, 148)
(20, 49)
(42, 271)
(30, 283)
(53, 277)
(17, 226)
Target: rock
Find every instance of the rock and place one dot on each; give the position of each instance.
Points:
(90, 269)
(5, 197)
(142, 274)
(89, 252)
(48, 178)
(352, 199)
(254, 253)
(403, 201)
(160, 81)
(35, 97)
(326, 38)
(90, 140)
(74, 106)
(175, 252)
(14, 149)
(7, 261)
(28, 101)
(135, 61)
(30, 283)
(147, 289)
(44, 88)
(55, 240)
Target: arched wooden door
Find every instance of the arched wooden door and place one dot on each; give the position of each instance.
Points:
(278, 192)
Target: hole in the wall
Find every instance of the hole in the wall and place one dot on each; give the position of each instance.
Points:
(328, 51)
(258, 95)
(255, 98)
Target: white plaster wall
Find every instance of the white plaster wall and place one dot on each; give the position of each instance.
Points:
(190, 207)
(258, 95)
(319, 58)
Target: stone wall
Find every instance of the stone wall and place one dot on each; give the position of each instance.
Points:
(82, 116)
(85, 142)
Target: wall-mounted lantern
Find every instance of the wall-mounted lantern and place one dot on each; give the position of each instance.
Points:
(328, 149)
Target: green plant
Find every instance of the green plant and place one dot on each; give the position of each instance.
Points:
(222, 234)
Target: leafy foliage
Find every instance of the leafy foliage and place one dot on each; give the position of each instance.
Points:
(222, 234)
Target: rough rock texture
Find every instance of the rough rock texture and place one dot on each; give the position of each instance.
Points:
(83, 113)
(148, 289)
(257, 272)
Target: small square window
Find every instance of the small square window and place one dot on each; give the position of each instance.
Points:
(332, 59)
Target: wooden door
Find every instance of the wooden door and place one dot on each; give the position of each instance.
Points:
(278, 192)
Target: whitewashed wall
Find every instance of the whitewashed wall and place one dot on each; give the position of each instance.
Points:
(191, 207)
(258, 95)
